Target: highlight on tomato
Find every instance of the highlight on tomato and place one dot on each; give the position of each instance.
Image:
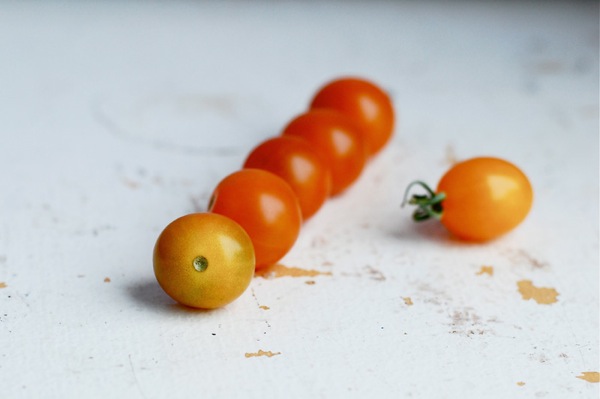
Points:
(336, 139)
(366, 103)
(203, 260)
(266, 208)
(476, 200)
(295, 161)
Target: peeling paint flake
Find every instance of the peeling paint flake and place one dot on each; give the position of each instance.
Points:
(407, 301)
(262, 353)
(590, 376)
(541, 295)
(278, 270)
(486, 270)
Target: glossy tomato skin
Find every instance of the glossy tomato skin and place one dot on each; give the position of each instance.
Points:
(203, 260)
(366, 103)
(485, 198)
(294, 160)
(266, 208)
(338, 142)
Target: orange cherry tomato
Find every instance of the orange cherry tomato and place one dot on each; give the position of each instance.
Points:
(478, 199)
(265, 206)
(337, 141)
(294, 160)
(366, 103)
(204, 260)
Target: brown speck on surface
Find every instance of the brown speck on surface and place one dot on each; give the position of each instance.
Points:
(262, 353)
(520, 256)
(310, 282)
(131, 184)
(408, 301)
(450, 158)
(541, 295)
(264, 307)
(536, 263)
(107, 279)
(486, 270)
(590, 376)
(520, 383)
(279, 270)
(467, 322)
(3, 284)
(374, 273)
(318, 241)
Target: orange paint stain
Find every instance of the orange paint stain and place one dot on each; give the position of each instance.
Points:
(590, 376)
(263, 307)
(541, 295)
(408, 301)
(520, 383)
(486, 270)
(107, 279)
(2, 284)
(278, 270)
(262, 353)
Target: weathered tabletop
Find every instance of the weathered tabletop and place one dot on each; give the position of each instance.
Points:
(118, 117)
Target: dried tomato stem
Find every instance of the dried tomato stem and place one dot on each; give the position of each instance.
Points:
(428, 206)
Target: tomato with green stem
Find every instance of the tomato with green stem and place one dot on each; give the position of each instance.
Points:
(476, 200)
(266, 208)
(295, 161)
(366, 103)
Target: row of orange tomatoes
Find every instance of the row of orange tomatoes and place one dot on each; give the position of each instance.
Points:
(207, 260)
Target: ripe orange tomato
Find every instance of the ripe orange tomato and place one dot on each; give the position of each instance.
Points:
(478, 199)
(337, 141)
(366, 103)
(294, 160)
(265, 206)
(203, 260)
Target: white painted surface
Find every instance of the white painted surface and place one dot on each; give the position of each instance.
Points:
(117, 118)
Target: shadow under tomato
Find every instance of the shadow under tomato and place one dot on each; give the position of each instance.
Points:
(430, 230)
(434, 231)
(149, 294)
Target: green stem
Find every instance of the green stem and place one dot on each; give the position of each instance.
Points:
(428, 206)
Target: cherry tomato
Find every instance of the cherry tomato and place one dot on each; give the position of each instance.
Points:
(478, 199)
(204, 260)
(294, 160)
(366, 103)
(337, 141)
(265, 206)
